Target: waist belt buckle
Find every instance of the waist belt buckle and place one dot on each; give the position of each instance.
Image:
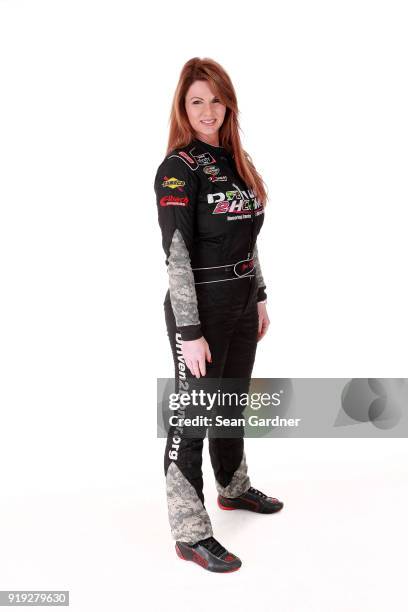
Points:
(244, 267)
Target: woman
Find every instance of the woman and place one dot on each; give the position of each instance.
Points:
(210, 202)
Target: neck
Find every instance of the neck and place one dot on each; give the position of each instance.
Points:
(211, 139)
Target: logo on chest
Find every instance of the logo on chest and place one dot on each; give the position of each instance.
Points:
(203, 159)
(234, 202)
(213, 170)
(213, 174)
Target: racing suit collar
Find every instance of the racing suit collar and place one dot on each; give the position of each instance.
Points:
(208, 146)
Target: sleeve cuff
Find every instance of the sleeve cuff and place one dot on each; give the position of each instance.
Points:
(190, 332)
(261, 294)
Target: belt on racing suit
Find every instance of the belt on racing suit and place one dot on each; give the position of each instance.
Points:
(215, 274)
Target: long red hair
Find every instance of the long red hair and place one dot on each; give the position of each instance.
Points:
(181, 132)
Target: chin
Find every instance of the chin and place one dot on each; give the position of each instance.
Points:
(208, 130)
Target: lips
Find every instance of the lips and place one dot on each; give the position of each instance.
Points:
(208, 122)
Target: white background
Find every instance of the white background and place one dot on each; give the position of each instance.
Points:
(85, 95)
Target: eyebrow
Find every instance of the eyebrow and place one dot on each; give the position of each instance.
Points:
(198, 97)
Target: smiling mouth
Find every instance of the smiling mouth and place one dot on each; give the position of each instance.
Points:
(208, 122)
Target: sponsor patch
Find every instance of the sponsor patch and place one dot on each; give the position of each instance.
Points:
(211, 170)
(234, 202)
(186, 156)
(203, 159)
(172, 182)
(171, 200)
(217, 178)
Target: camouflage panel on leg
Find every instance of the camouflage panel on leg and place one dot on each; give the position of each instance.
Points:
(239, 484)
(188, 518)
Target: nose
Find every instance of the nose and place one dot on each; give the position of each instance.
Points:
(207, 111)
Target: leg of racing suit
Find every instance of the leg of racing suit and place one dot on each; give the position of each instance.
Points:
(232, 336)
(227, 454)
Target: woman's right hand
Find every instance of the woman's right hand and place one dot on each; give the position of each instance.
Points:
(196, 353)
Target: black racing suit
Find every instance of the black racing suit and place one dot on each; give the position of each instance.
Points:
(209, 221)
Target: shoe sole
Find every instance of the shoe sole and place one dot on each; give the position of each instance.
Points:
(192, 555)
(257, 511)
(225, 507)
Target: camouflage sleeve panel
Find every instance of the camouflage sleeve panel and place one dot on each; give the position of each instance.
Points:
(182, 289)
(261, 283)
(176, 188)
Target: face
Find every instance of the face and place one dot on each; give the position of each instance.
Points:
(205, 111)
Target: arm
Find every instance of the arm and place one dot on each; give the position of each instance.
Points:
(176, 192)
(261, 283)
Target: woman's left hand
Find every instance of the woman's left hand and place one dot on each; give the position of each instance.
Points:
(263, 320)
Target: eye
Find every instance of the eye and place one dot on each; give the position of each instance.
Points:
(196, 102)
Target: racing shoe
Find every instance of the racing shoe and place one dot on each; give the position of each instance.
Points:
(253, 500)
(210, 554)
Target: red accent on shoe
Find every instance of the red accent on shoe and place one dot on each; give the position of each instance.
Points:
(224, 507)
(250, 501)
(230, 557)
(199, 559)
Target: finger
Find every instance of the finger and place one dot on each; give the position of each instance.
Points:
(264, 329)
(261, 331)
(208, 353)
(201, 364)
(260, 322)
(196, 368)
